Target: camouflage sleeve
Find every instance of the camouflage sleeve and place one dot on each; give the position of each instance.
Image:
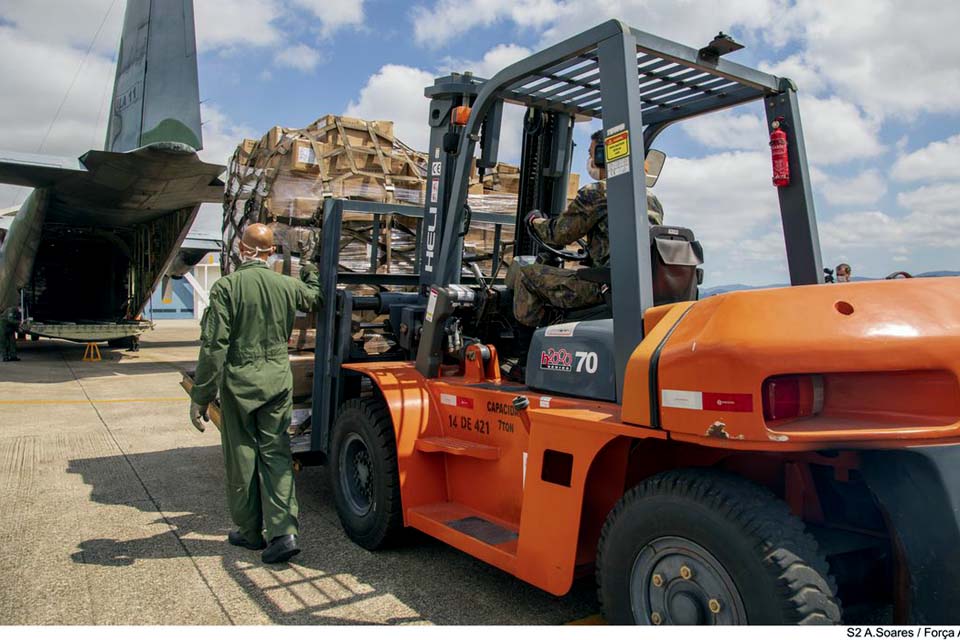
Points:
(214, 342)
(309, 293)
(654, 210)
(580, 217)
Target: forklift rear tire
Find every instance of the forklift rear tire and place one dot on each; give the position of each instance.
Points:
(696, 546)
(364, 475)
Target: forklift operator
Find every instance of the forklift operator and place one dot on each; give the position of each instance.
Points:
(542, 285)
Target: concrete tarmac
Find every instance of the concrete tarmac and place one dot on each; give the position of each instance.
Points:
(115, 513)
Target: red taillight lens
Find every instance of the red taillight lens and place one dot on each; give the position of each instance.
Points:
(788, 397)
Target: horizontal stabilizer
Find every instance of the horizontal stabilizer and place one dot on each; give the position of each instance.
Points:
(33, 170)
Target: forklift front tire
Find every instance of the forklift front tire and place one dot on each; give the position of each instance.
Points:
(696, 546)
(364, 475)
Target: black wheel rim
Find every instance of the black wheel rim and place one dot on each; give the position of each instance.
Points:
(676, 581)
(356, 474)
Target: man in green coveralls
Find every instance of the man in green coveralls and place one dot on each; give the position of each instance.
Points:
(243, 354)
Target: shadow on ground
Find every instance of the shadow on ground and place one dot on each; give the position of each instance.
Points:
(36, 359)
(333, 581)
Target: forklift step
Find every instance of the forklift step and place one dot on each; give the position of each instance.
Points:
(457, 447)
(468, 530)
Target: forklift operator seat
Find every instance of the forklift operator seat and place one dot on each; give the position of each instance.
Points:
(675, 258)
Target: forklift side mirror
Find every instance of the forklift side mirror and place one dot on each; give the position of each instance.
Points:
(653, 165)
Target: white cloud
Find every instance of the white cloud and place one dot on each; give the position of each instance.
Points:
(896, 57)
(938, 160)
(334, 14)
(836, 131)
(68, 24)
(931, 222)
(862, 229)
(683, 20)
(867, 187)
(724, 197)
(237, 24)
(936, 199)
(395, 92)
(36, 76)
(731, 130)
(299, 56)
(436, 25)
(798, 69)
(493, 60)
(220, 134)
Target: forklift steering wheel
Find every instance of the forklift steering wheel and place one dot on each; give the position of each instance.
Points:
(574, 256)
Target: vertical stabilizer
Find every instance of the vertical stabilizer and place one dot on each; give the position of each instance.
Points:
(156, 95)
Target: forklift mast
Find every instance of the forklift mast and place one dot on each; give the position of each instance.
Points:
(545, 161)
(446, 94)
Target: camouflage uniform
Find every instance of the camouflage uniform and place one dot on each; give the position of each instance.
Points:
(542, 285)
(9, 324)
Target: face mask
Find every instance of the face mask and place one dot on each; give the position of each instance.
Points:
(594, 170)
(251, 257)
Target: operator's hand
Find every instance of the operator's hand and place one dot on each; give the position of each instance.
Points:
(536, 214)
(307, 269)
(198, 416)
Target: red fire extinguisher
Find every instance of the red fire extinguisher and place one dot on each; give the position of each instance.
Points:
(778, 151)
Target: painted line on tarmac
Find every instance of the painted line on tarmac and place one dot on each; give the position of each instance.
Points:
(106, 400)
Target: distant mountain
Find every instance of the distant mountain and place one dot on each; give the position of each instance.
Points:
(727, 288)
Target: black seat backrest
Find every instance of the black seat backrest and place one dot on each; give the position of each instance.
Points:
(675, 256)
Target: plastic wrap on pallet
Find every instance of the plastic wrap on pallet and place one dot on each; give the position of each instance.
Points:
(505, 203)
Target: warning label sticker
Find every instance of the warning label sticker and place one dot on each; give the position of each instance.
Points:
(617, 151)
(617, 146)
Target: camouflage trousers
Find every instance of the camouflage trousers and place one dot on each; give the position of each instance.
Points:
(540, 286)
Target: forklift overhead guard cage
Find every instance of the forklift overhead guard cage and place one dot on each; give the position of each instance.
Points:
(638, 84)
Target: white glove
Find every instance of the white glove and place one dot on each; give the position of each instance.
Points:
(198, 416)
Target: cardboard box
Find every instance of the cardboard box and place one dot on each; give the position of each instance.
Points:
(303, 156)
(573, 186)
(301, 364)
(305, 208)
(245, 148)
(303, 339)
(272, 138)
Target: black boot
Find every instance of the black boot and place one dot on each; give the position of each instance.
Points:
(281, 549)
(237, 540)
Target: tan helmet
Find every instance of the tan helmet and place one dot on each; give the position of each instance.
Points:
(257, 238)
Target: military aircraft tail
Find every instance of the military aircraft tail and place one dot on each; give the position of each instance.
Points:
(156, 95)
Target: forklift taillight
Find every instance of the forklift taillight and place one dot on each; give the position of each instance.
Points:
(789, 397)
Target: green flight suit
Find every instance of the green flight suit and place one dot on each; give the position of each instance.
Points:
(9, 323)
(243, 353)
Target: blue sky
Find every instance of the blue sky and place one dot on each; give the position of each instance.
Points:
(879, 86)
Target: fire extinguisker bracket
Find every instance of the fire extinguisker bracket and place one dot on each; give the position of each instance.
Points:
(721, 45)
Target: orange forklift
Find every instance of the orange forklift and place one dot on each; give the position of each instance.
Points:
(755, 457)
